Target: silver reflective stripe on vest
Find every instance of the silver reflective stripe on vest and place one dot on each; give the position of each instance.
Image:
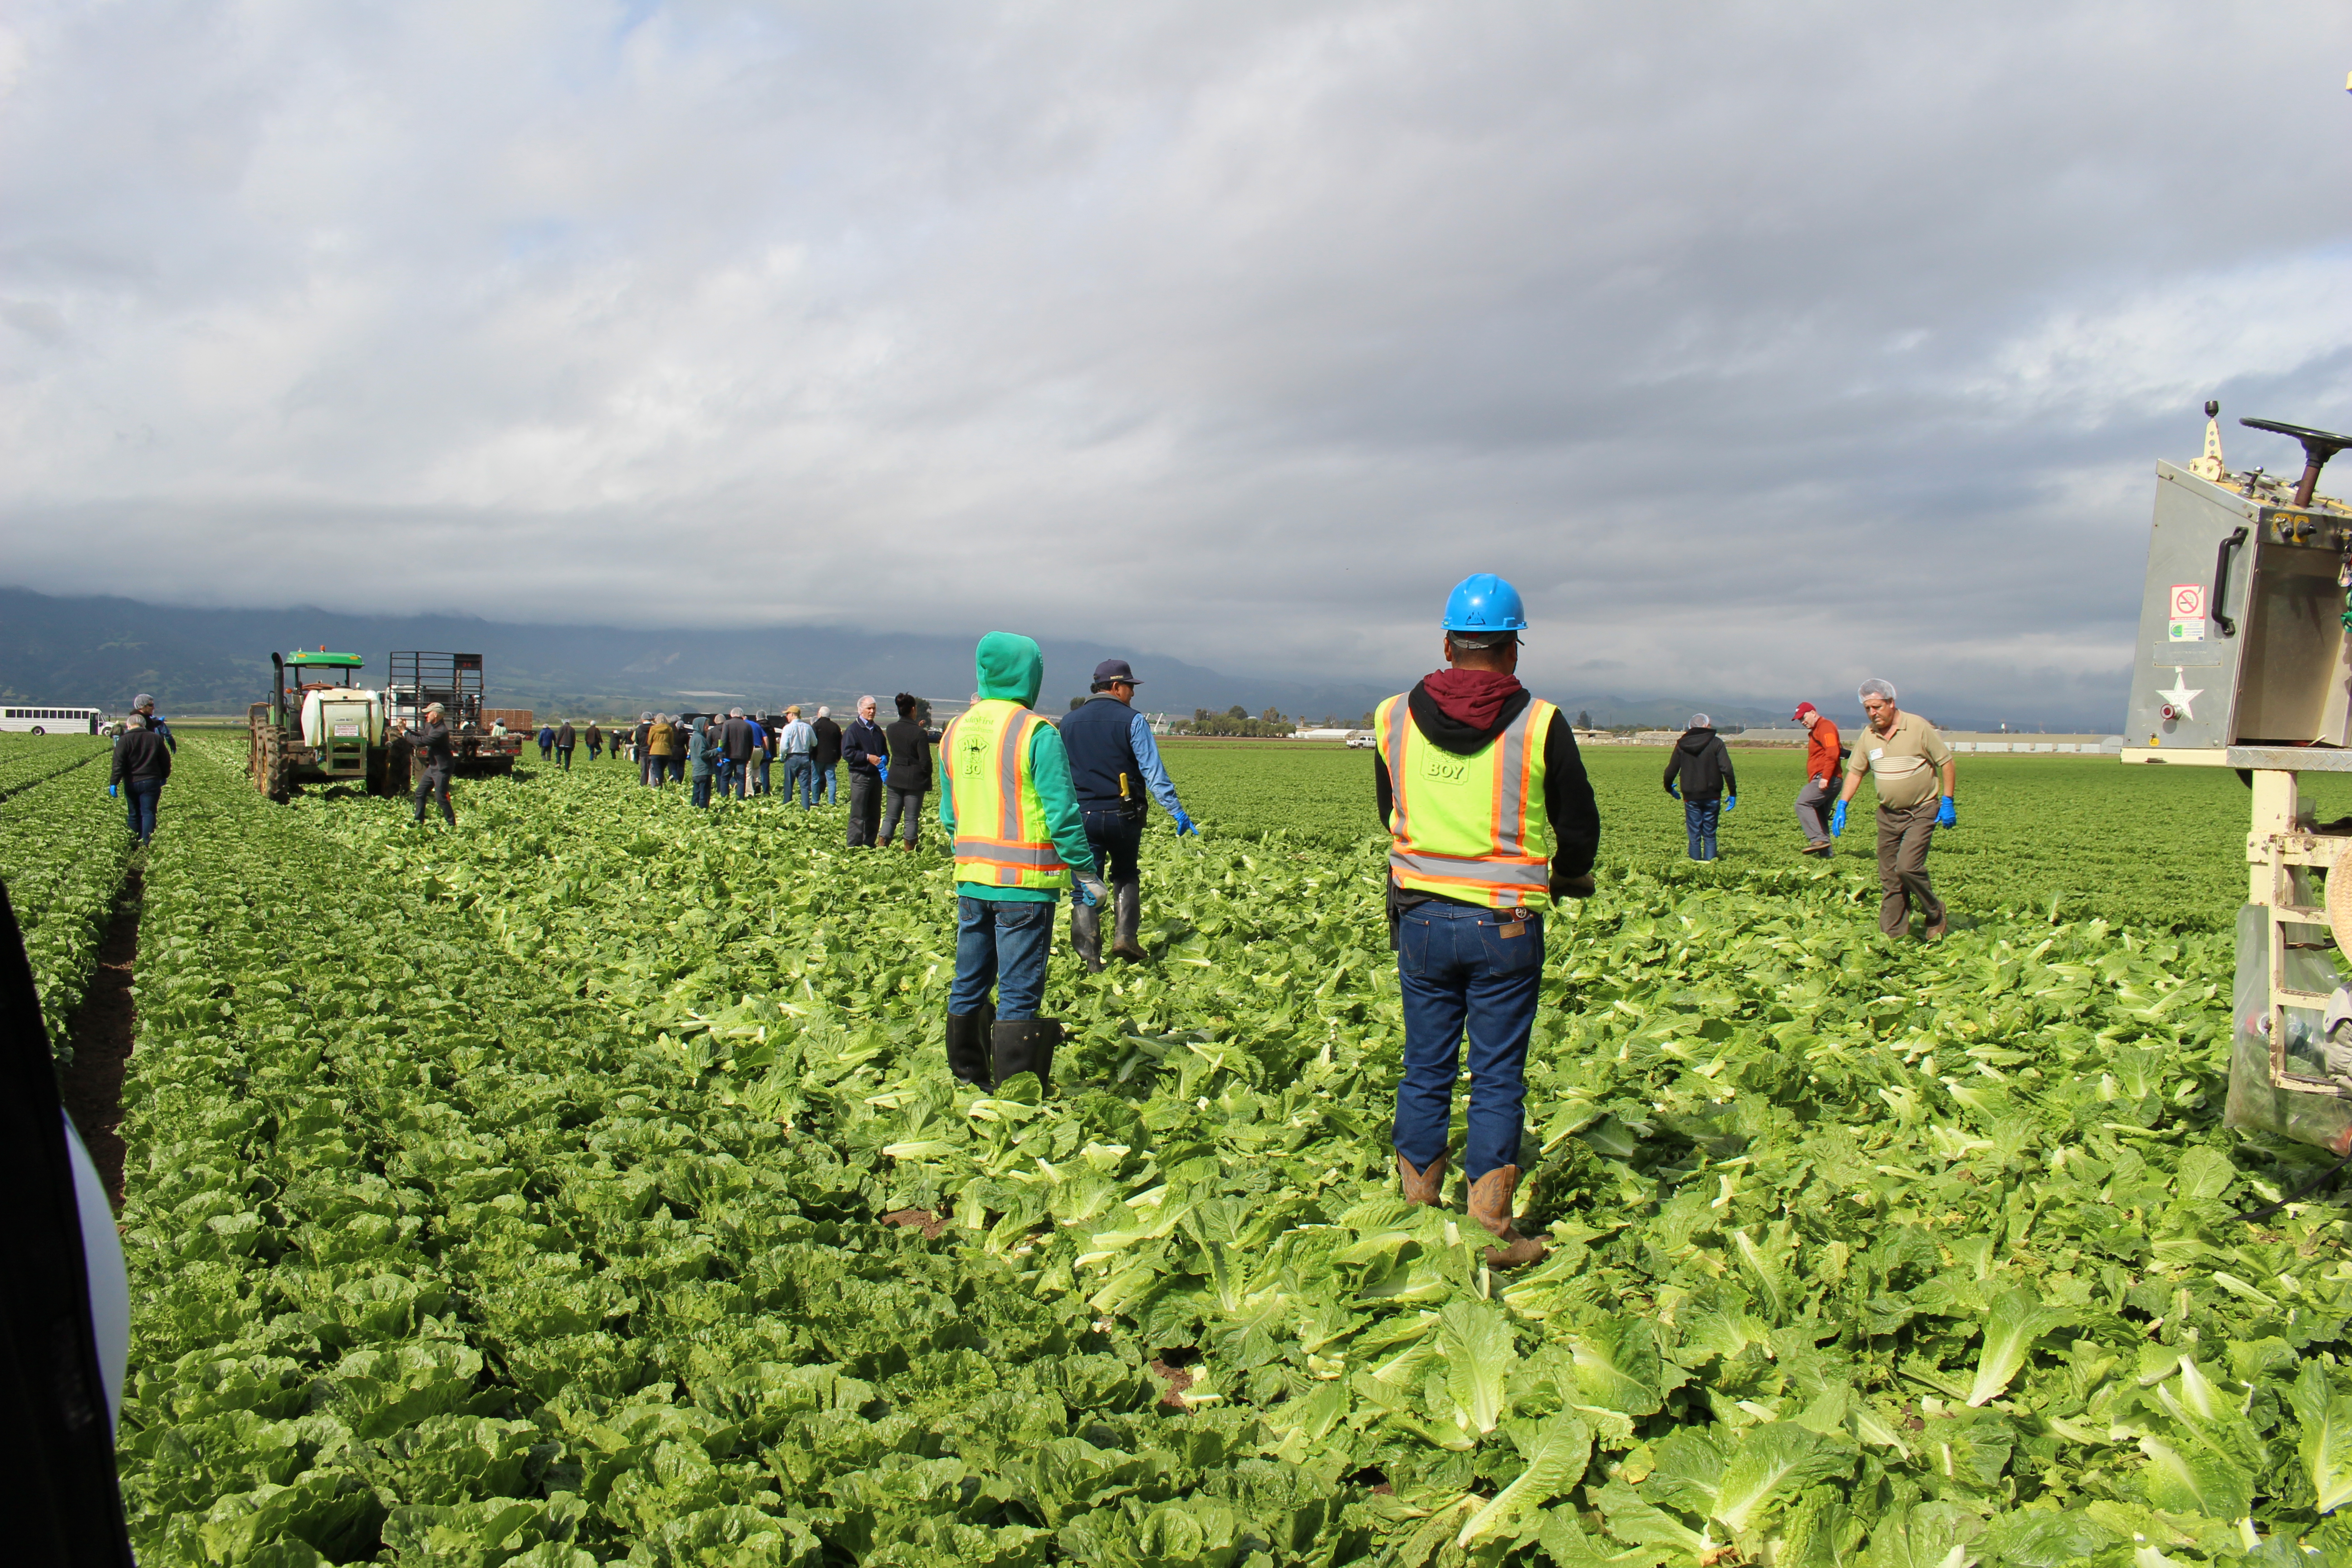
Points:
(1498, 873)
(1008, 772)
(1047, 857)
(1511, 837)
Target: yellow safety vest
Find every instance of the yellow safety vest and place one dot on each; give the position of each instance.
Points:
(1002, 835)
(1472, 828)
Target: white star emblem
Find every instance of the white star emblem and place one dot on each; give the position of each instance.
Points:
(2182, 694)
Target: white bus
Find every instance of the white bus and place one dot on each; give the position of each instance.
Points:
(51, 721)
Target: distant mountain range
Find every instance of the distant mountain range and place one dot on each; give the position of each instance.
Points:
(100, 652)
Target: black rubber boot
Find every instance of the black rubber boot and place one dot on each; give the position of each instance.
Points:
(968, 1045)
(1127, 917)
(1085, 935)
(1026, 1044)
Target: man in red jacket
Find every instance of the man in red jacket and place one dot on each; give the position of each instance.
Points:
(1822, 764)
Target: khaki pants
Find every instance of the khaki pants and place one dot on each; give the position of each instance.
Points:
(1903, 836)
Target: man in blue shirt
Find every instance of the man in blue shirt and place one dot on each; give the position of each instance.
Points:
(1115, 768)
(797, 741)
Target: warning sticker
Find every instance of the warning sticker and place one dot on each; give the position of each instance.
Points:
(2187, 602)
(2188, 631)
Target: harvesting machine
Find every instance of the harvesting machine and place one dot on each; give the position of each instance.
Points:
(2244, 661)
(323, 726)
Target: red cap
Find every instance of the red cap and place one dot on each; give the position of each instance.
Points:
(1803, 708)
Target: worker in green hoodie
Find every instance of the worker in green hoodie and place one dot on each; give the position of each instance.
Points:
(1022, 840)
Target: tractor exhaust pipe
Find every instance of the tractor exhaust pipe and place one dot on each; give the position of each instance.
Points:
(278, 690)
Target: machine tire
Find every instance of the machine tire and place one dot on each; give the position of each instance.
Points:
(276, 781)
(38, 731)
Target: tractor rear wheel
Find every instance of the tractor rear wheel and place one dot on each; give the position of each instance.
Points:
(276, 781)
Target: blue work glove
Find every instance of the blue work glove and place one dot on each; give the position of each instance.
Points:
(1948, 815)
(1089, 890)
(1837, 820)
(1674, 791)
(114, 791)
(1184, 824)
(1730, 802)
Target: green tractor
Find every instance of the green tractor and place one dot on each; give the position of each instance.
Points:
(323, 727)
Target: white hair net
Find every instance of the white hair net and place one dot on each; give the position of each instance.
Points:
(1698, 721)
(1876, 687)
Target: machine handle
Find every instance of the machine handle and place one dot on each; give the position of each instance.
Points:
(2221, 582)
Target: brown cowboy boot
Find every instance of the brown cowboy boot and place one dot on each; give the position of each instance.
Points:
(1490, 1205)
(1421, 1186)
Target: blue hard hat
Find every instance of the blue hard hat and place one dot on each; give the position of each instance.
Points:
(1483, 602)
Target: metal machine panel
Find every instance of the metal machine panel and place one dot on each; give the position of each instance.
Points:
(2241, 636)
(2185, 666)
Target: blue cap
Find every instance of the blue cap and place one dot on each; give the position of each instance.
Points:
(1485, 603)
(1112, 670)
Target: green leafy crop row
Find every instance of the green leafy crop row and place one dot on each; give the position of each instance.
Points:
(518, 1195)
(63, 853)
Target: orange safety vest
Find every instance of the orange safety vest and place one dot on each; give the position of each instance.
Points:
(1471, 828)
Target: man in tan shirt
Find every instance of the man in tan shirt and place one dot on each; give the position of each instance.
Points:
(1902, 752)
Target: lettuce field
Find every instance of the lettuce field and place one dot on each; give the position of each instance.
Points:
(586, 1186)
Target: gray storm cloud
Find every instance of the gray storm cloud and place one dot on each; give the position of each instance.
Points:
(1764, 346)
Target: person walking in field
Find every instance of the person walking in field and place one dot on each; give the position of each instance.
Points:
(1019, 839)
(1115, 766)
(737, 740)
(1902, 753)
(1822, 762)
(144, 706)
(867, 751)
(1491, 820)
(431, 740)
(662, 747)
(700, 754)
(828, 755)
(566, 739)
(641, 744)
(142, 765)
(595, 739)
(797, 742)
(911, 744)
(546, 742)
(1709, 787)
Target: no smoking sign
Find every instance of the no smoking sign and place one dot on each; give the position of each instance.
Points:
(2189, 601)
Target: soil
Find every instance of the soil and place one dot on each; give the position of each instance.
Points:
(931, 1224)
(1178, 1380)
(101, 1032)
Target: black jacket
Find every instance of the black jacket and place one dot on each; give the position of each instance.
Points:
(141, 754)
(566, 739)
(860, 740)
(432, 740)
(828, 743)
(1568, 793)
(1705, 764)
(910, 754)
(735, 739)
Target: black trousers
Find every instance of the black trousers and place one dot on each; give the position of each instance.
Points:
(906, 804)
(865, 808)
(1118, 840)
(435, 781)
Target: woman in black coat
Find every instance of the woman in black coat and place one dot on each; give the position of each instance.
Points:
(910, 769)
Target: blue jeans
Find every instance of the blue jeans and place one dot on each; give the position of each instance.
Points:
(1117, 839)
(139, 798)
(763, 763)
(702, 789)
(1001, 942)
(799, 778)
(828, 783)
(1458, 967)
(1698, 820)
(564, 756)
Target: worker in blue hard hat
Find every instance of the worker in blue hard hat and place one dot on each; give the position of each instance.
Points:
(1490, 818)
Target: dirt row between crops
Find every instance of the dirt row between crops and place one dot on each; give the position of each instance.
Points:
(101, 1032)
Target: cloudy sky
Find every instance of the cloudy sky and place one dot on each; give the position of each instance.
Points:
(1764, 345)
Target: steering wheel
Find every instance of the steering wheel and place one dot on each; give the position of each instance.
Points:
(2318, 446)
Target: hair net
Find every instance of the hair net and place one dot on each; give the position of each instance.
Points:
(1698, 721)
(1876, 688)
(142, 701)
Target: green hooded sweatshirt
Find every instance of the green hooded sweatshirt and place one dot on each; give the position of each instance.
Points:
(1009, 667)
